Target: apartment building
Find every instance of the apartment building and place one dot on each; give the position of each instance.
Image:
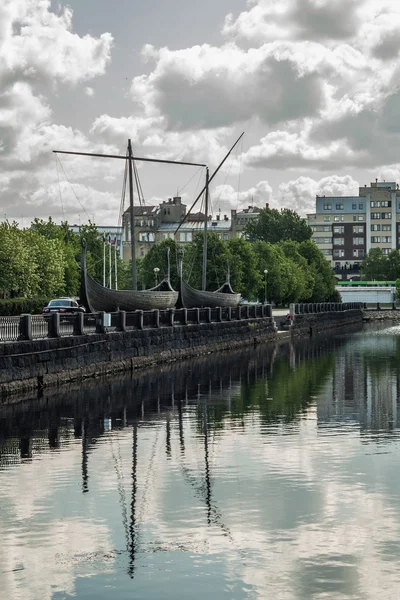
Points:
(345, 228)
(156, 223)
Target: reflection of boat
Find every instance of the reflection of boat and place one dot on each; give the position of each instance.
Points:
(190, 297)
(95, 297)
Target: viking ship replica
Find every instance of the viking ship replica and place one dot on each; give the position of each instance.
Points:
(96, 297)
(190, 297)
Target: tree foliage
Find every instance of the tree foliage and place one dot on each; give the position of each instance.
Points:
(275, 226)
(43, 261)
(377, 266)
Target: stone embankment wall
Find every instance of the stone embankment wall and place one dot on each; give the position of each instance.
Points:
(311, 324)
(37, 363)
(382, 315)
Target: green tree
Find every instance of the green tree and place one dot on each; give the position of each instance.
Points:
(245, 276)
(157, 258)
(374, 265)
(324, 279)
(270, 257)
(274, 226)
(217, 258)
(392, 265)
(18, 272)
(302, 280)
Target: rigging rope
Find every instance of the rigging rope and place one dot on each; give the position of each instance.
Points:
(72, 187)
(59, 188)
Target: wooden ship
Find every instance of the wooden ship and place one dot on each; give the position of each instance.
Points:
(96, 297)
(190, 297)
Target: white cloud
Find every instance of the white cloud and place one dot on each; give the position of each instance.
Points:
(226, 198)
(299, 194)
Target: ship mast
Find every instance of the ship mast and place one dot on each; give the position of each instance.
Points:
(133, 249)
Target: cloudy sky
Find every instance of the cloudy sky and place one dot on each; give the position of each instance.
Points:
(314, 84)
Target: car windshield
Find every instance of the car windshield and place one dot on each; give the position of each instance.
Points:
(60, 303)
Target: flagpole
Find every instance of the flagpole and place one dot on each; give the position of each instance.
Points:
(115, 263)
(109, 261)
(104, 262)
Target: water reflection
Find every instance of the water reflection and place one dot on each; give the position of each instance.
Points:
(265, 472)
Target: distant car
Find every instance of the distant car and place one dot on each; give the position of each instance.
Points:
(63, 305)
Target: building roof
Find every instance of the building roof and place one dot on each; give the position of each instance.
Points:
(143, 211)
(196, 225)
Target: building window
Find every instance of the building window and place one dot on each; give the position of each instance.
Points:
(338, 241)
(354, 206)
(386, 215)
(326, 228)
(386, 239)
(322, 240)
(189, 236)
(361, 206)
(386, 250)
(226, 237)
(337, 218)
(339, 206)
(358, 253)
(327, 219)
(327, 206)
(375, 227)
(375, 215)
(338, 229)
(376, 239)
(182, 237)
(326, 252)
(358, 241)
(358, 229)
(361, 217)
(141, 251)
(338, 253)
(386, 228)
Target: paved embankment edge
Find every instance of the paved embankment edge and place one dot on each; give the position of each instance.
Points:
(30, 365)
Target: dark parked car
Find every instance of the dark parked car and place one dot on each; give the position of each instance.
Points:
(63, 305)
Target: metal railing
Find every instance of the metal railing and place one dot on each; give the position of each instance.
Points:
(30, 327)
(323, 307)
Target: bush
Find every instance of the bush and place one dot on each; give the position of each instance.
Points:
(20, 306)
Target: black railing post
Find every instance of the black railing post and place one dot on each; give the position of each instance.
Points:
(156, 318)
(54, 325)
(100, 322)
(78, 324)
(25, 327)
(122, 321)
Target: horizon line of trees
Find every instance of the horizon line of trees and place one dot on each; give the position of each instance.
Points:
(43, 260)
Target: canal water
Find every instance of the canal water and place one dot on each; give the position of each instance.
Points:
(269, 473)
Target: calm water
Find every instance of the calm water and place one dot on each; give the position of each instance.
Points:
(262, 474)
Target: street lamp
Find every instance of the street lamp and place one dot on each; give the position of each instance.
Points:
(265, 285)
(156, 272)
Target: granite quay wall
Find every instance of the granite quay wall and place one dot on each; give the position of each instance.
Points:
(36, 363)
(57, 351)
(310, 319)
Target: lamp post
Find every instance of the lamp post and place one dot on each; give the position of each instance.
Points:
(265, 285)
(156, 272)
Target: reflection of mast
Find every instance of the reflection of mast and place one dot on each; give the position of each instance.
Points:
(85, 442)
(180, 420)
(207, 465)
(168, 436)
(132, 527)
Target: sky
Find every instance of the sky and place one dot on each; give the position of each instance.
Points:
(313, 84)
